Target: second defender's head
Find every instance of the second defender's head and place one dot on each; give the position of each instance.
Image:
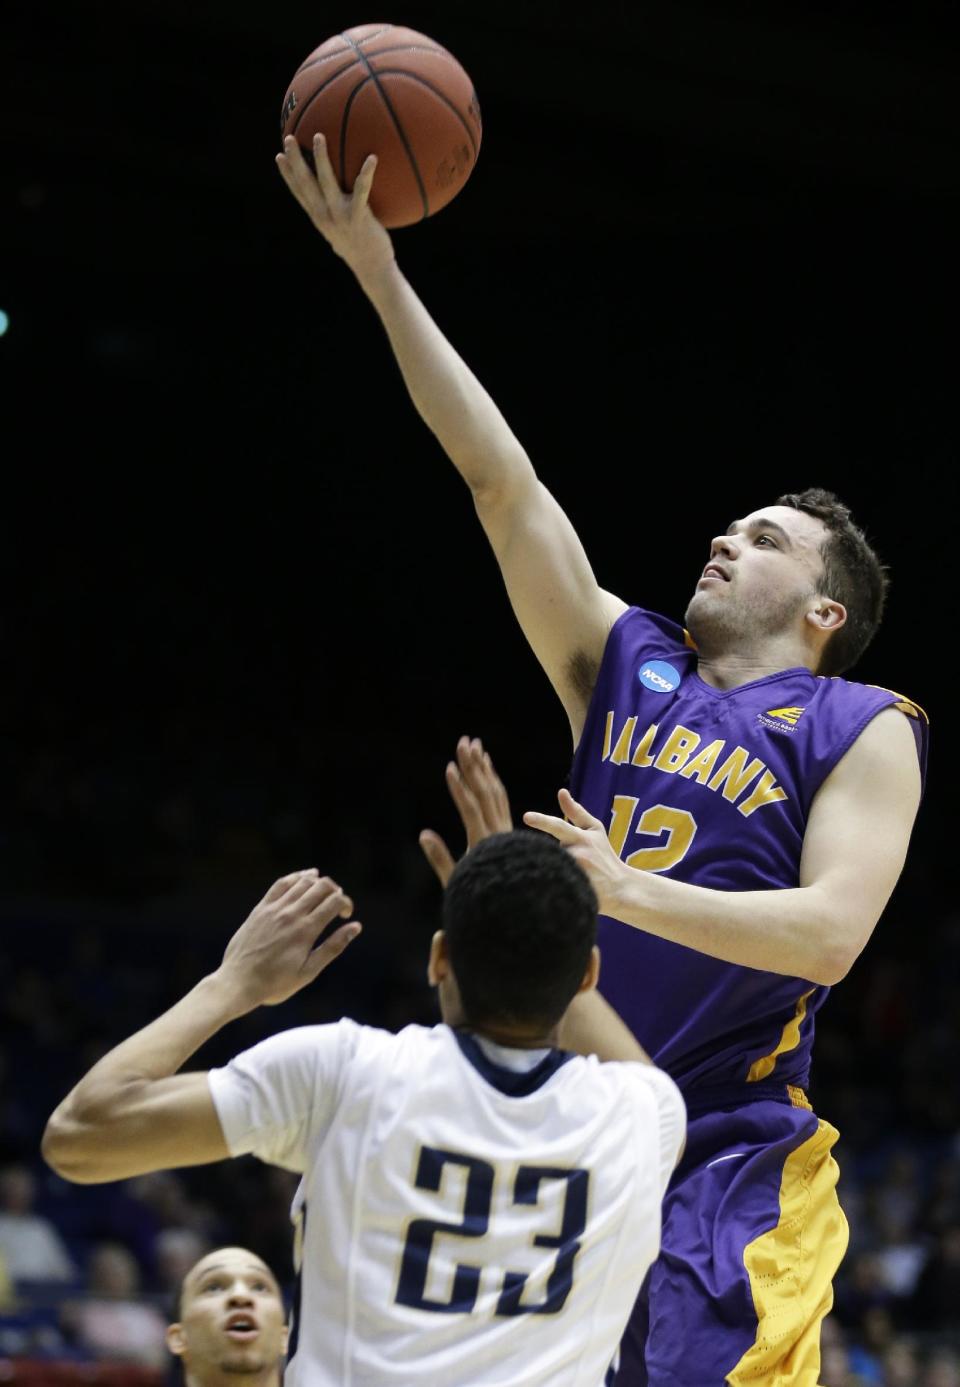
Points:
(518, 937)
(230, 1322)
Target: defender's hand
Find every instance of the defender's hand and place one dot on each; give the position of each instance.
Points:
(272, 954)
(586, 839)
(481, 800)
(343, 219)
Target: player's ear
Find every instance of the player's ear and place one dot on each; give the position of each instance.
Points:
(592, 974)
(286, 1336)
(438, 965)
(827, 615)
(176, 1340)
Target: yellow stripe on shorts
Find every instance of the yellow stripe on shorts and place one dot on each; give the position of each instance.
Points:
(791, 1269)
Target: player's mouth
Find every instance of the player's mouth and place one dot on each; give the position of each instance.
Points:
(241, 1328)
(714, 571)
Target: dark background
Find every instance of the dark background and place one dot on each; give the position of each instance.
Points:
(707, 255)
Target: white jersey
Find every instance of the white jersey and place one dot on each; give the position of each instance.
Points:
(460, 1223)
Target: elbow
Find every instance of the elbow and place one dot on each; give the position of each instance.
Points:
(832, 965)
(834, 938)
(66, 1148)
(55, 1147)
(840, 968)
(500, 490)
(825, 975)
(490, 499)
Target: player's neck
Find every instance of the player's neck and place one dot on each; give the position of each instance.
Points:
(731, 669)
(270, 1377)
(512, 1038)
(516, 1039)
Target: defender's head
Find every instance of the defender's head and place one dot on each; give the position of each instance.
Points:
(230, 1321)
(518, 937)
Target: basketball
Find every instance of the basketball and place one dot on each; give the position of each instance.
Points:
(378, 89)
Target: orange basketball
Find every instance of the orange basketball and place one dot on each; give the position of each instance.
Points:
(392, 92)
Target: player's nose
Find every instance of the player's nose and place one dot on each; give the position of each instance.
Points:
(239, 1295)
(723, 546)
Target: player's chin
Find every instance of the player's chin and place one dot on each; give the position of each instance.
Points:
(706, 587)
(243, 1358)
(698, 602)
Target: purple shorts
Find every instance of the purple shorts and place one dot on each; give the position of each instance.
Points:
(753, 1234)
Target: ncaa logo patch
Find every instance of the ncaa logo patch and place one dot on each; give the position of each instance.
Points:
(658, 676)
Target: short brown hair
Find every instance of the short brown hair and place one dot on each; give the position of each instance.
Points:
(852, 574)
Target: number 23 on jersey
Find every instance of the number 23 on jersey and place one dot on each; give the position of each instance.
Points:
(475, 1213)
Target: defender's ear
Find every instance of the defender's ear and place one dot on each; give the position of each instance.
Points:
(438, 964)
(176, 1340)
(592, 974)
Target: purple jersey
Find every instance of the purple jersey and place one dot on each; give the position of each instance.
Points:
(712, 787)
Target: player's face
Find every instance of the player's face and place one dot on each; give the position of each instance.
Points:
(231, 1317)
(760, 577)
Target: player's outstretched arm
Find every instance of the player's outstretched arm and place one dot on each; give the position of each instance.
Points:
(563, 611)
(133, 1113)
(853, 852)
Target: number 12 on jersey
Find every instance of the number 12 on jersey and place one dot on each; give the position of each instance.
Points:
(474, 1224)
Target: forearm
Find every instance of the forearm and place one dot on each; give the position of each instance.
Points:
(155, 1052)
(449, 398)
(133, 1112)
(590, 1026)
(797, 931)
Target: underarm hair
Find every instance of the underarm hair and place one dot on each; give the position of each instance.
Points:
(582, 672)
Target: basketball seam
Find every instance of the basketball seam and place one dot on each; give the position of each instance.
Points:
(314, 94)
(322, 58)
(415, 77)
(430, 47)
(368, 37)
(393, 116)
(343, 124)
(394, 48)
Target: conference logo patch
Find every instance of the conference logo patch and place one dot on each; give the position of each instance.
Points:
(658, 676)
(781, 719)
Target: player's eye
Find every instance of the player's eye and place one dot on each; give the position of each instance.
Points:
(213, 1286)
(259, 1286)
(765, 539)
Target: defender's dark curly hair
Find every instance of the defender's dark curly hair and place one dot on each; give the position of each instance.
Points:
(852, 574)
(520, 918)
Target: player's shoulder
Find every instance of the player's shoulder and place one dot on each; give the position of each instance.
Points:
(366, 1056)
(377, 1045)
(647, 1088)
(656, 623)
(351, 1039)
(869, 721)
(644, 632)
(851, 693)
(648, 1079)
(902, 703)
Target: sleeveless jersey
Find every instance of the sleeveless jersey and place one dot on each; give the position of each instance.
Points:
(458, 1221)
(712, 787)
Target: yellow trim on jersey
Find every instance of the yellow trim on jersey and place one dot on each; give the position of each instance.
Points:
(688, 640)
(791, 1268)
(905, 705)
(789, 1040)
(798, 1098)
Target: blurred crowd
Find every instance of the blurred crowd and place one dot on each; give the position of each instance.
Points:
(90, 1273)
